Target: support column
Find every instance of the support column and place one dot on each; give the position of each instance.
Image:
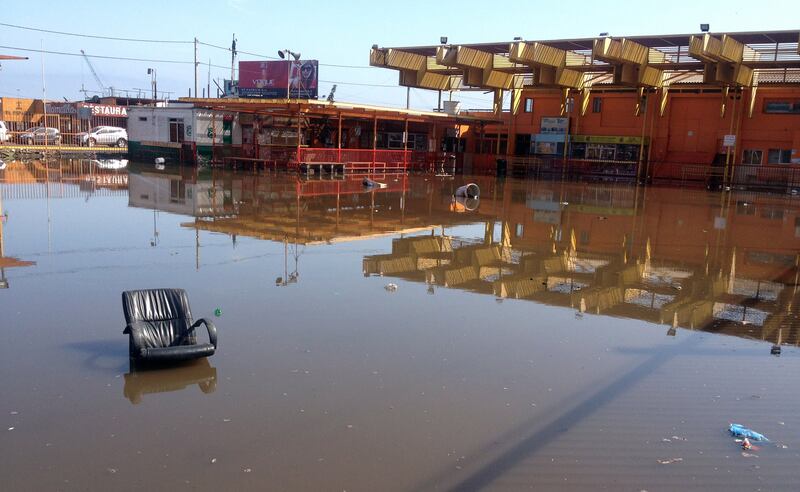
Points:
(339, 141)
(728, 156)
(436, 148)
(405, 146)
(299, 116)
(256, 133)
(374, 137)
(213, 135)
(512, 125)
(643, 114)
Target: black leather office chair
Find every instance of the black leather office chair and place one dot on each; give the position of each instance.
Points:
(160, 326)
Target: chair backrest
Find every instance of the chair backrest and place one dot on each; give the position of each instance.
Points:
(162, 314)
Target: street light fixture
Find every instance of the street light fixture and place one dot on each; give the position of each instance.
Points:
(284, 54)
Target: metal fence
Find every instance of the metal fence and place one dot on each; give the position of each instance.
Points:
(781, 177)
(68, 130)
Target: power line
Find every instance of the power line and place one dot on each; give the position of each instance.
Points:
(179, 62)
(95, 36)
(275, 58)
(359, 83)
(105, 57)
(139, 40)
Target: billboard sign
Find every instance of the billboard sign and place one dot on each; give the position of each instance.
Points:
(273, 79)
(102, 110)
(557, 125)
(60, 108)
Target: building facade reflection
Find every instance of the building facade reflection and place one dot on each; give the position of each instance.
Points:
(686, 258)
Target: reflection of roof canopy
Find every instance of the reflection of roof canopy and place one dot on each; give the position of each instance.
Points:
(728, 59)
(8, 262)
(588, 283)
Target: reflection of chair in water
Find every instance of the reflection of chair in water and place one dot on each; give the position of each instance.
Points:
(159, 323)
(139, 383)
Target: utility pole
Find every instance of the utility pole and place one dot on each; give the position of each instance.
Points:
(44, 106)
(233, 57)
(408, 97)
(195, 67)
(208, 83)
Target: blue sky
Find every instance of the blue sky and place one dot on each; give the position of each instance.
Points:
(335, 33)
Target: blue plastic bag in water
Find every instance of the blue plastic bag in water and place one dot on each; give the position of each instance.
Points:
(738, 430)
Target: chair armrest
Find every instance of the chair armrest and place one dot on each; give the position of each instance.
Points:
(135, 331)
(212, 330)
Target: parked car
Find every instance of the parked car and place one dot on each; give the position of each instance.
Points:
(39, 135)
(4, 136)
(104, 135)
(110, 163)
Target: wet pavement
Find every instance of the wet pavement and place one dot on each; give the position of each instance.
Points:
(577, 336)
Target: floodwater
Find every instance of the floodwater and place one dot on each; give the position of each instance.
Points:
(546, 336)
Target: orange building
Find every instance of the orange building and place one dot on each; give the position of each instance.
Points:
(690, 106)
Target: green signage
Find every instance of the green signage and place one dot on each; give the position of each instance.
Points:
(605, 139)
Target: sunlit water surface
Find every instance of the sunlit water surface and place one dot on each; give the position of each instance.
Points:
(559, 335)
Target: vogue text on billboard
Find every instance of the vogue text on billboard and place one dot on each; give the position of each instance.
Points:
(272, 79)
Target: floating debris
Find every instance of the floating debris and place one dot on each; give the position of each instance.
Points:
(470, 190)
(391, 287)
(738, 430)
(670, 461)
(368, 183)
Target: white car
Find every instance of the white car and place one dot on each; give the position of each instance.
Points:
(111, 163)
(104, 135)
(4, 136)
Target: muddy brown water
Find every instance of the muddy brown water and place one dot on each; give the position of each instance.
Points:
(550, 336)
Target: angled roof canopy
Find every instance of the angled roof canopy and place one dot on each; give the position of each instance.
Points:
(726, 59)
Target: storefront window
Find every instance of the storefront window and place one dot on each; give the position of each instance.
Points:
(578, 150)
(779, 156)
(603, 152)
(627, 152)
(751, 157)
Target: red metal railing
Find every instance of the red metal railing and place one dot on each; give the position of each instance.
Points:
(391, 158)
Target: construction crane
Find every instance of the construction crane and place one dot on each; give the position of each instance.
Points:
(103, 89)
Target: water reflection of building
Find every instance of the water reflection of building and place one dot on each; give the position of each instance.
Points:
(725, 263)
(6, 262)
(680, 258)
(56, 179)
(173, 192)
(64, 178)
(284, 208)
